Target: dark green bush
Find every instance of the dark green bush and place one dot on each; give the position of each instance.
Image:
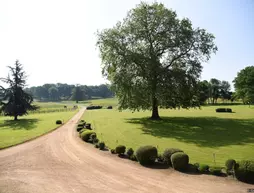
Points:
(168, 153)
(192, 168)
(85, 135)
(223, 110)
(230, 163)
(96, 145)
(79, 128)
(215, 171)
(80, 125)
(102, 145)
(88, 126)
(59, 122)
(130, 152)
(120, 149)
(146, 155)
(95, 140)
(133, 158)
(180, 161)
(245, 171)
(113, 151)
(82, 121)
(82, 130)
(93, 136)
(203, 168)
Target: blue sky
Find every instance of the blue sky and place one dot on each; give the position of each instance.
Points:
(55, 39)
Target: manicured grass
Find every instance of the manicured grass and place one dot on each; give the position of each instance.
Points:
(202, 134)
(28, 127)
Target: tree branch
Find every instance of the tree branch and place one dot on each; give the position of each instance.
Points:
(180, 55)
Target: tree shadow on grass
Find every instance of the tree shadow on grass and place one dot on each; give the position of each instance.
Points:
(24, 124)
(202, 131)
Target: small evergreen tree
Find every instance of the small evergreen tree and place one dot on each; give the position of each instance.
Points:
(16, 102)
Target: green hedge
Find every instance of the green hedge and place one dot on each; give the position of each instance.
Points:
(146, 155)
(245, 171)
(180, 161)
(168, 153)
(85, 135)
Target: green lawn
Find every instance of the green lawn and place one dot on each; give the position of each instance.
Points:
(28, 127)
(200, 133)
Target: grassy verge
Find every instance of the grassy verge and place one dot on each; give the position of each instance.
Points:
(29, 127)
(205, 135)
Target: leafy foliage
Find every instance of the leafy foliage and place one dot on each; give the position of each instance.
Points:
(146, 155)
(120, 149)
(245, 171)
(215, 170)
(85, 135)
(180, 161)
(244, 84)
(58, 122)
(168, 153)
(154, 59)
(101, 145)
(18, 101)
(203, 168)
(130, 152)
(230, 163)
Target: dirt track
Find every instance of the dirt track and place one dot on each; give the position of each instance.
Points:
(61, 162)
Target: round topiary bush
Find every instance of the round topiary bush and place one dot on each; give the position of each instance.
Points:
(203, 168)
(120, 149)
(180, 161)
(130, 152)
(168, 153)
(58, 122)
(85, 135)
(245, 171)
(146, 155)
(102, 145)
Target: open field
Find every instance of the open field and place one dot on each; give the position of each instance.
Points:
(28, 127)
(202, 134)
(101, 102)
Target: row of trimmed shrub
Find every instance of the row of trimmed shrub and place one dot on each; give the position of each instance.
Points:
(97, 107)
(88, 135)
(173, 157)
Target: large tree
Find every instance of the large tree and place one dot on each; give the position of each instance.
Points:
(244, 84)
(153, 58)
(77, 94)
(16, 102)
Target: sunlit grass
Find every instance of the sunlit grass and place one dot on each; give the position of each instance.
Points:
(205, 135)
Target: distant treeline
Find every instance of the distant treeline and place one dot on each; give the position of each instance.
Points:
(59, 91)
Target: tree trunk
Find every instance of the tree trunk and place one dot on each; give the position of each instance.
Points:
(155, 111)
(15, 117)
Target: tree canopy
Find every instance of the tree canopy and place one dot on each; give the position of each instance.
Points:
(16, 102)
(244, 84)
(153, 58)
